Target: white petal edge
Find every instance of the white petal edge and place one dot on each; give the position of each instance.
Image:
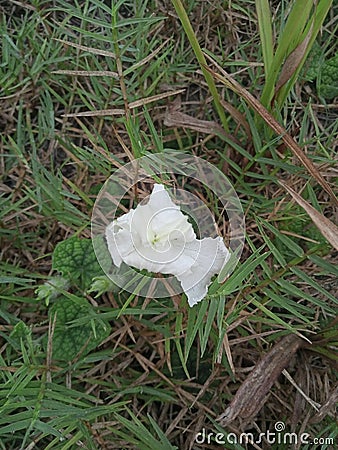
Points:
(211, 258)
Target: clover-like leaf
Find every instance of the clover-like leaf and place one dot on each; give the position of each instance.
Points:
(76, 260)
(71, 339)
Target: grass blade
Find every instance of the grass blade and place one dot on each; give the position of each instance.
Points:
(201, 59)
(265, 32)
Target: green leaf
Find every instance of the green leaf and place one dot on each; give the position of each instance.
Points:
(178, 331)
(265, 32)
(20, 332)
(142, 436)
(205, 333)
(236, 280)
(165, 444)
(328, 87)
(76, 260)
(313, 63)
(285, 240)
(70, 339)
(195, 320)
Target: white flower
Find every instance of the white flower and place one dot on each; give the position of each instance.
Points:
(159, 238)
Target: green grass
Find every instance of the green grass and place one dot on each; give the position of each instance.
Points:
(86, 364)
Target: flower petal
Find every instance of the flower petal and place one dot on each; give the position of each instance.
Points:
(113, 247)
(159, 238)
(210, 257)
(167, 216)
(159, 198)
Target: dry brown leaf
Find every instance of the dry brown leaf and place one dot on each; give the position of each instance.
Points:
(232, 84)
(99, 113)
(292, 62)
(174, 118)
(329, 406)
(87, 73)
(237, 116)
(327, 228)
(93, 50)
(252, 394)
(132, 105)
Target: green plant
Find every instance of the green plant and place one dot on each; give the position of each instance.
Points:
(328, 80)
(284, 61)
